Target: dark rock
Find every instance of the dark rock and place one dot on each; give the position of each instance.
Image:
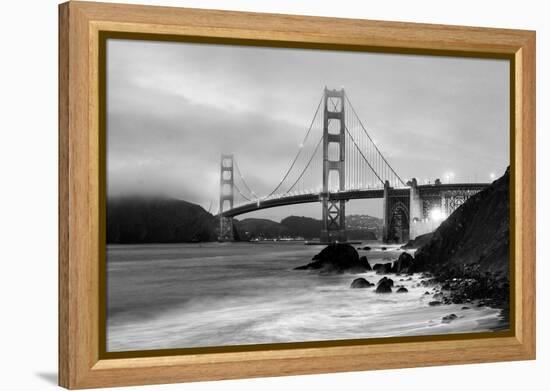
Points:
(402, 290)
(434, 303)
(403, 263)
(367, 248)
(365, 262)
(384, 285)
(361, 283)
(418, 242)
(448, 318)
(426, 293)
(383, 248)
(429, 282)
(337, 258)
(384, 268)
(385, 280)
(465, 308)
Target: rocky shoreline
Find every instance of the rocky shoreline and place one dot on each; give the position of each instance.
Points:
(469, 286)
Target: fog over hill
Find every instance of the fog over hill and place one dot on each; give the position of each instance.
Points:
(157, 220)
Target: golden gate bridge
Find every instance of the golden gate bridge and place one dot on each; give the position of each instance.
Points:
(337, 161)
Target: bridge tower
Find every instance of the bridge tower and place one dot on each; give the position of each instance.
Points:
(226, 197)
(334, 132)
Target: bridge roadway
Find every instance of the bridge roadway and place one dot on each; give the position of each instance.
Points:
(354, 194)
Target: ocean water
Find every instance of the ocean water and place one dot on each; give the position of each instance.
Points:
(219, 294)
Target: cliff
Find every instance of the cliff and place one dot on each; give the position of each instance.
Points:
(475, 238)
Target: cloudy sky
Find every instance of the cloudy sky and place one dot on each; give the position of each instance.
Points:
(173, 108)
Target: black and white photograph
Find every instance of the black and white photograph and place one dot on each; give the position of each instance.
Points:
(266, 195)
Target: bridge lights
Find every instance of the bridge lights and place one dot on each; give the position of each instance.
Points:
(437, 215)
(449, 176)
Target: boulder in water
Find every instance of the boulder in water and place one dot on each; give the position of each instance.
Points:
(402, 290)
(448, 318)
(384, 268)
(385, 280)
(384, 285)
(361, 283)
(337, 258)
(365, 262)
(403, 263)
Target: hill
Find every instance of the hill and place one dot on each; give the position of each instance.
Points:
(260, 228)
(157, 220)
(132, 220)
(310, 228)
(305, 227)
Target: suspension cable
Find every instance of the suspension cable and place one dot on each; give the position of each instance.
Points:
(240, 192)
(374, 144)
(364, 158)
(307, 165)
(299, 150)
(242, 178)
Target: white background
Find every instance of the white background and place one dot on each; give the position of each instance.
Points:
(28, 196)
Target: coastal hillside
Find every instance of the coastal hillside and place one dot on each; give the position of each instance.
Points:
(474, 237)
(133, 220)
(260, 228)
(305, 227)
(157, 220)
(364, 223)
(356, 227)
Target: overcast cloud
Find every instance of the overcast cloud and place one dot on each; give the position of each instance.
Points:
(173, 108)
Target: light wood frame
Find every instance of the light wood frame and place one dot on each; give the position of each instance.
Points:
(80, 167)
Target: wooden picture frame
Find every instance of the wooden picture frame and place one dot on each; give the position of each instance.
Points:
(82, 162)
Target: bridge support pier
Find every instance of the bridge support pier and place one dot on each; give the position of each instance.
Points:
(385, 212)
(334, 131)
(416, 213)
(396, 215)
(226, 197)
